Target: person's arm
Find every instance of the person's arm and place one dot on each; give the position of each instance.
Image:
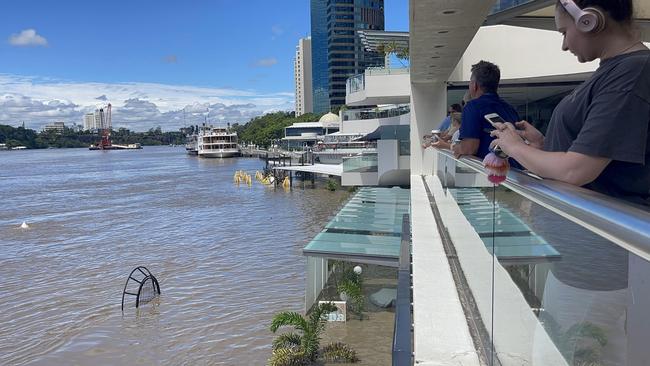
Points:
(441, 144)
(570, 167)
(470, 132)
(466, 146)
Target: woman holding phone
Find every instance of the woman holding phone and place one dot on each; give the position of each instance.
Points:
(598, 136)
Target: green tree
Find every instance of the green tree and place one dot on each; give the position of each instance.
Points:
(301, 347)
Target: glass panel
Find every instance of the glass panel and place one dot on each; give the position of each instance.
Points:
(585, 293)
(355, 83)
(378, 112)
(547, 291)
(502, 5)
(360, 164)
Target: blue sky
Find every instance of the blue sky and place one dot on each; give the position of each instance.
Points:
(60, 59)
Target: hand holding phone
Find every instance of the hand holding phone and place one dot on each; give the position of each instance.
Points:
(494, 118)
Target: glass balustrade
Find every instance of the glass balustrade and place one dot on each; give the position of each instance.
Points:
(502, 5)
(552, 274)
(363, 163)
(374, 113)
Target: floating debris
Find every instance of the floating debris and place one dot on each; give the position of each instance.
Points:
(242, 177)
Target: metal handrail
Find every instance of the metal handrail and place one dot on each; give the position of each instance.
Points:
(403, 332)
(623, 223)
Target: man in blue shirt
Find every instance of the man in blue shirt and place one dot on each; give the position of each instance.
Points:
(446, 123)
(475, 129)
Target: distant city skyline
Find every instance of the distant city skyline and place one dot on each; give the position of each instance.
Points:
(152, 60)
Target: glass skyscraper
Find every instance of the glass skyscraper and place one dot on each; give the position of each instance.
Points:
(319, 71)
(337, 52)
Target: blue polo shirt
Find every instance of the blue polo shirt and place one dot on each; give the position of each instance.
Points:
(474, 125)
(444, 125)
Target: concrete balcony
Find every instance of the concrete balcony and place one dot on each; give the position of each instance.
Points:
(379, 86)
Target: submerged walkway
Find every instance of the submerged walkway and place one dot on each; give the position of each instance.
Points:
(329, 169)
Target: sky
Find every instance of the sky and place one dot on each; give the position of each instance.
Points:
(159, 63)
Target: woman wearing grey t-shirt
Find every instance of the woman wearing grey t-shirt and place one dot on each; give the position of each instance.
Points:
(598, 137)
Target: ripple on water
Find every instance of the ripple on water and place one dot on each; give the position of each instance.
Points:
(228, 258)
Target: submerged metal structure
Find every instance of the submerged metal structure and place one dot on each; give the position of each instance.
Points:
(144, 289)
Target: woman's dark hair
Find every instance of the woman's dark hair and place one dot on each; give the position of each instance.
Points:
(456, 107)
(487, 75)
(621, 11)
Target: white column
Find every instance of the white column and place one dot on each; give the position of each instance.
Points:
(428, 109)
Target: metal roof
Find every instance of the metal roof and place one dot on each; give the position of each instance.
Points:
(372, 39)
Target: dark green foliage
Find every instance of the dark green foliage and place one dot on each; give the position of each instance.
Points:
(288, 357)
(260, 130)
(13, 136)
(582, 342)
(264, 129)
(348, 282)
(331, 185)
(301, 347)
(339, 353)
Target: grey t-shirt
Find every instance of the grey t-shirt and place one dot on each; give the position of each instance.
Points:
(609, 116)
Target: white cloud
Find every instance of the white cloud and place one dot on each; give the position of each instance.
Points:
(27, 37)
(137, 106)
(266, 62)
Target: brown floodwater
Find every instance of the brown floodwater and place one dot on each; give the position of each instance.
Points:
(228, 258)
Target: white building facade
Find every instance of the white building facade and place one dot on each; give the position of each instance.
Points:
(302, 77)
(99, 118)
(89, 121)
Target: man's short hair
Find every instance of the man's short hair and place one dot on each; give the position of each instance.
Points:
(456, 107)
(487, 75)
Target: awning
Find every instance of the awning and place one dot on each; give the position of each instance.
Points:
(367, 229)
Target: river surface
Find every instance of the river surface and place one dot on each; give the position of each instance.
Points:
(227, 257)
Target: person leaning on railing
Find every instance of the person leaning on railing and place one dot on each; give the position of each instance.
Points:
(598, 135)
(446, 138)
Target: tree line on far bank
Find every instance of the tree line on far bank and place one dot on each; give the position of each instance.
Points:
(19, 136)
(262, 131)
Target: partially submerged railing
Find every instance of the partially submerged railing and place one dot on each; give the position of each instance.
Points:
(403, 331)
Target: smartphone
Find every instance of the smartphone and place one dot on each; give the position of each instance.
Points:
(494, 118)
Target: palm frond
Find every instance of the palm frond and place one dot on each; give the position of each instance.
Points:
(287, 318)
(339, 352)
(288, 357)
(287, 340)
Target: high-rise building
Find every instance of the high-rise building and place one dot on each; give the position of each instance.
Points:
(99, 119)
(302, 77)
(89, 121)
(319, 71)
(337, 52)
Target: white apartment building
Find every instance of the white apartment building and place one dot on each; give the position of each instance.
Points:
(100, 118)
(57, 127)
(302, 77)
(89, 121)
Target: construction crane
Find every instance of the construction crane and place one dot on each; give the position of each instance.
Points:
(105, 126)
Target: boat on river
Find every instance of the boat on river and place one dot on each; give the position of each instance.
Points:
(217, 142)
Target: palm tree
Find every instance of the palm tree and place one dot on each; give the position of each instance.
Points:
(392, 47)
(302, 346)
